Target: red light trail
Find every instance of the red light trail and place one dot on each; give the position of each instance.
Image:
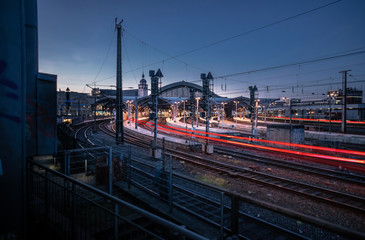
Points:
(335, 158)
(319, 120)
(303, 146)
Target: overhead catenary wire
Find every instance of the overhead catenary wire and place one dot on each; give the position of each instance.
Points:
(264, 89)
(130, 64)
(106, 56)
(225, 39)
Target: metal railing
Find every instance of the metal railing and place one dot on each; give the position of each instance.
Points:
(74, 210)
(216, 206)
(226, 210)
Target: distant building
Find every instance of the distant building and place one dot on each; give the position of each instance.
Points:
(353, 96)
(80, 104)
(320, 108)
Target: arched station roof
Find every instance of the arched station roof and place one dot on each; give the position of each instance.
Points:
(165, 101)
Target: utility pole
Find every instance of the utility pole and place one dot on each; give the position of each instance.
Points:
(344, 101)
(136, 113)
(251, 107)
(68, 103)
(119, 133)
(236, 102)
(197, 111)
(206, 79)
(154, 98)
(192, 106)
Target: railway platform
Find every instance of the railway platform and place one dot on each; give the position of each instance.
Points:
(313, 135)
(131, 126)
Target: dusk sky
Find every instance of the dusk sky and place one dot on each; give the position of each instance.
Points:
(232, 39)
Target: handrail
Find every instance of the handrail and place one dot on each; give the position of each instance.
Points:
(144, 213)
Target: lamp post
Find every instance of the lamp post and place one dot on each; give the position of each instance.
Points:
(223, 103)
(184, 101)
(197, 111)
(236, 102)
(175, 110)
(129, 102)
(256, 112)
(331, 96)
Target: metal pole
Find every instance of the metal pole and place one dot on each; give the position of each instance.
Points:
(207, 125)
(223, 112)
(155, 120)
(290, 114)
(184, 112)
(256, 113)
(236, 114)
(110, 160)
(119, 112)
(136, 113)
(222, 216)
(197, 112)
(116, 221)
(344, 101)
(94, 112)
(330, 102)
(170, 184)
(218, 114)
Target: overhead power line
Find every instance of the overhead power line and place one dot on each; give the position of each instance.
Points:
(292, 64)
(225, 39)
(256, 29)
(106, 56)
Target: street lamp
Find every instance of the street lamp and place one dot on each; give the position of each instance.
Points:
(175, 110)
(223, 103)
(129, 102)
(197, 111)
(331, 96)
(236, 102)
(256, 112)
(184, 101)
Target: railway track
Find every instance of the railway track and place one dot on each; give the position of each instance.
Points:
(201, 206)
(346, 201)
(320, 171)
(332, 197)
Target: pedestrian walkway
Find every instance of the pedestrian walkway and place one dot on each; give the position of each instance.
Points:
(131, 126)
(228, 127)
(244, 125)
(315, 135)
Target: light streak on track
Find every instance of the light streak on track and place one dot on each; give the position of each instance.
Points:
(319, 120)
(335, 158)
(303, 146)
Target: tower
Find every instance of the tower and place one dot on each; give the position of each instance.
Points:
(142, 87)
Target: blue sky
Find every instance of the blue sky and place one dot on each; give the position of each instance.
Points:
(75, 36)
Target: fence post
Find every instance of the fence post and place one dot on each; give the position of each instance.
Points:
(234, 214)
(116, 221)
(222, 216)
(73, 217)
(129, 166)
(110, 171)
(163, 147)
(68, 164)
(46, 203)
(65, 163)
(170, 184)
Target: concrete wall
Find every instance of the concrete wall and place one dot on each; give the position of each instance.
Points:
(12, 116)
(285, 133)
